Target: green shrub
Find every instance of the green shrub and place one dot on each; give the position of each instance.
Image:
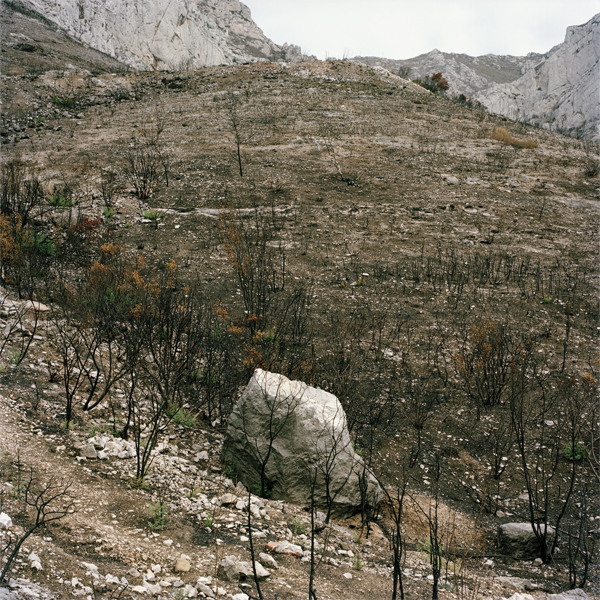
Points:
(61, 200)
(574, 451)
(157, 514)
(14, 357)
(182, 417)
(297, 526)
(231, 473)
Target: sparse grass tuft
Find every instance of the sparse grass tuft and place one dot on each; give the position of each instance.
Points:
(152, 214)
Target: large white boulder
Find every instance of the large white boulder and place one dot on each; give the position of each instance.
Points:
(296, 431)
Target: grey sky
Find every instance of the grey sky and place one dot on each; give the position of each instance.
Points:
(407, 28)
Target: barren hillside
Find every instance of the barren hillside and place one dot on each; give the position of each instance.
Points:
(434, 267)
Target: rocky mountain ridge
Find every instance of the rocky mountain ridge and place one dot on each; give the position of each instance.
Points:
(466, 74)
(559, 90)
(163, 35)
(562, 91)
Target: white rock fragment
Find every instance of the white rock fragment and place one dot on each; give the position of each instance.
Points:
(267, 560)
(5, 521)
(35, 562)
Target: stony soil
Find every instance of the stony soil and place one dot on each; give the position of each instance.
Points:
(428, 184)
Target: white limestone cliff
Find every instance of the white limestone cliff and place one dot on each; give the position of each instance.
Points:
(163, 34)
(562, 91)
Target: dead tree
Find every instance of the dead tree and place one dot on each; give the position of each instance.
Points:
(234, 119)
(49, 501)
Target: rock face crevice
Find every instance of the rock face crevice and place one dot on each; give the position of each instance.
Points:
(296, 433)
(562, 91)
(163, 34)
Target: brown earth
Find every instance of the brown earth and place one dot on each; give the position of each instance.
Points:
(374, 189)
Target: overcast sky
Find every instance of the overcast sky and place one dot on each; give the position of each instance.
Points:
(407, 28)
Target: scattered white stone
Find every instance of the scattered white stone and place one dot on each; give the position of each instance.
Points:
(182, 564)
(450, 179)
(348, 575)
(227, 499)
(205, 590)
(88, 451)
(286, 547)
(189, 591)
(155, 590)
(5, 521)
(267, 560)
(34, 562)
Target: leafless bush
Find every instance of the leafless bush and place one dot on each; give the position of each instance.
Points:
(235, 121)
(486, 360)
(44, 501)
(24, 318)
(535, 405)
(258, 265)
(21, 191)
(404, 72)
(142, 165)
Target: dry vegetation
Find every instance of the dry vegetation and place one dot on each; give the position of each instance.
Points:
(341, 227)
(506, 137)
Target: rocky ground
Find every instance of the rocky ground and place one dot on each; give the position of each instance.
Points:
(112, 544)
(371, 186)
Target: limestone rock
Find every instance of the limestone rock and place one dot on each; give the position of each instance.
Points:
(517, 583)
(233, 569)
(182, 565)
(202, 587)
(465, 74)
(285, 547)
(519, 540)
(227, 499)
(5, 521)
(558, 90)
(165, 35)
(268, 561)
(310, 432)
(577, 594)
(561, 91)
(88, 451)
(201, 456)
